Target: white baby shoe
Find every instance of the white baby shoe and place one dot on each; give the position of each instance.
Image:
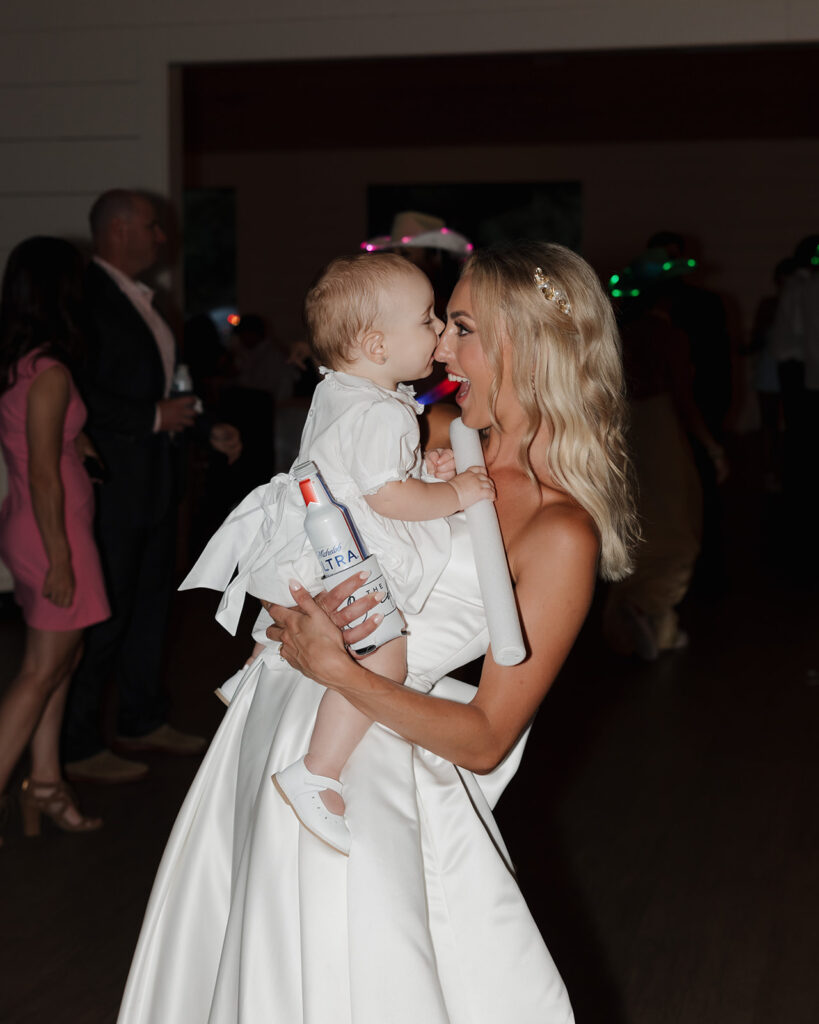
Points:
(301, 789)
(227, 690)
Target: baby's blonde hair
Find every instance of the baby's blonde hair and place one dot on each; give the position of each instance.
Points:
(345, 302)
(567, 372)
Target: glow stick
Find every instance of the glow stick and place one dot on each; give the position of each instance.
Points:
(490, 557)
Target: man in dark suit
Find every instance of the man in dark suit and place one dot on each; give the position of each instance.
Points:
(135, 426)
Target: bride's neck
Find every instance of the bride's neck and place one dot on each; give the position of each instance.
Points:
(502, 450)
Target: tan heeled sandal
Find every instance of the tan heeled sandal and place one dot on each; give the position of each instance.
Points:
(55, 800)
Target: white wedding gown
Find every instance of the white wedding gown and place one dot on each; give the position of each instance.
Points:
(252, 920)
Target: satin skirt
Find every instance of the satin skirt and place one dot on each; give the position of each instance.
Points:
(254, 920)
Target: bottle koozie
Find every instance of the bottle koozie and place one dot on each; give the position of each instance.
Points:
(341, 553)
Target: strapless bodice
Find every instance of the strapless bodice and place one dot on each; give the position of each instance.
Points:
(450, 630)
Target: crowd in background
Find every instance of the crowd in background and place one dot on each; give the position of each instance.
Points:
(102, 436)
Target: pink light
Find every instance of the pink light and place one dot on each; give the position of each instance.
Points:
(469, 247)
(407, 238)
(444, 231)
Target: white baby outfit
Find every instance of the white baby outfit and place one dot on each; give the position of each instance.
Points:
(361, 437)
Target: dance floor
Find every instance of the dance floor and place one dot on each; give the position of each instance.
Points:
(664, 822)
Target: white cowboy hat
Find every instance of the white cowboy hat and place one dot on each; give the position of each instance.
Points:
(411, 229)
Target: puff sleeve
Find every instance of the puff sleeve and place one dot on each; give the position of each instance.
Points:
(384, 445)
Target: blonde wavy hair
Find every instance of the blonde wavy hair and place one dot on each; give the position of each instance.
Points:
(567, 372)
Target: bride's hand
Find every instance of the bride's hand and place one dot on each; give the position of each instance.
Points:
(336, 604)
(310, 632)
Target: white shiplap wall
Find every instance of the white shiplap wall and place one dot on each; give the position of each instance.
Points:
(84, 85)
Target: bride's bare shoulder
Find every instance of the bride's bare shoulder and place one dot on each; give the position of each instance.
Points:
(558, 536)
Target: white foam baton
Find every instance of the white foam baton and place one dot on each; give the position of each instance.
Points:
(490, 557)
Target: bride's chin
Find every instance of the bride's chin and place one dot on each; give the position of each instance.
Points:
(471, 419)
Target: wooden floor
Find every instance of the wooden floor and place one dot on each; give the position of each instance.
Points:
(665, 822)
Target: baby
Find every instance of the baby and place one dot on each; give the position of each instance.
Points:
(371, 319)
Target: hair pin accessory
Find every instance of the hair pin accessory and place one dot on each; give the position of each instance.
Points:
(552, 293)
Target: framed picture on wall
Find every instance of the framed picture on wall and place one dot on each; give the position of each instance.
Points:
(209, 249)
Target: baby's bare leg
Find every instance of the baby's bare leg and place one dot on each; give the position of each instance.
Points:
(340, 727)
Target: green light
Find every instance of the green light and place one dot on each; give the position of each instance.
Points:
(616, 293)
(667, 265)
(691, 263)
(814, 261)
(614, 279)
(634, 292)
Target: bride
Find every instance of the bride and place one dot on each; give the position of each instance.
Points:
(252, 919)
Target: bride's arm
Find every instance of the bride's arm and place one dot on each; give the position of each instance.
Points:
(554, 564)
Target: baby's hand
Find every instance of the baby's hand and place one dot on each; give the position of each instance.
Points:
(472, 486)
(440, 463)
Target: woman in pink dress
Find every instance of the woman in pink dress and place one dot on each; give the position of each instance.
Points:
(46, 521)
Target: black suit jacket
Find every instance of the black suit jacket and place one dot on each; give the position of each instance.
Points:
(122, 381)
